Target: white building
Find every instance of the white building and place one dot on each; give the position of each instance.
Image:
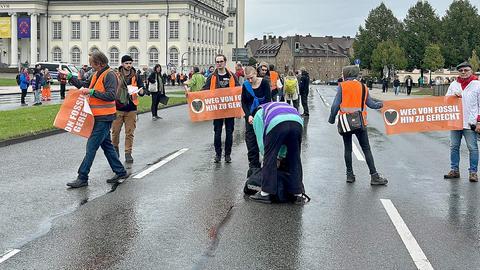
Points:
(174, 32)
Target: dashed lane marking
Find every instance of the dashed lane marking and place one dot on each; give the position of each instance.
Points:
(8, 255)
(409, 241)
(160, 163)
(357, 152)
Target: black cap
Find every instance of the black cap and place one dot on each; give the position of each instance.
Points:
(126, 58)
(464, 64)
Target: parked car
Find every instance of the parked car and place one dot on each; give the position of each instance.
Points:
(53, 66)
(332, 82)
(317, 82)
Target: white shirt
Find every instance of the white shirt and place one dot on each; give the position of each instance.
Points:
(470, 101)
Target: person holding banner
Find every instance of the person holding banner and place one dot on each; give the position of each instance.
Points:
(129, 88)
(222, 78)
(352, 96)
(466, 87)
(255, 91)
(101, 88)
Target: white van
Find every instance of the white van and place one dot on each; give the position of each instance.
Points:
(53, 66)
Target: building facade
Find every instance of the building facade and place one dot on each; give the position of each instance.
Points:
(322, 57)
(173, 33)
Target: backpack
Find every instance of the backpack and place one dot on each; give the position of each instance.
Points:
(254, 184)
(256, 100)
(18, 79)
(290, 86)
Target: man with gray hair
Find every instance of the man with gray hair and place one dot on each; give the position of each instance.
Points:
(352, 96)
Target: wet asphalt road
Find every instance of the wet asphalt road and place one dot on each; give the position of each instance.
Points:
(191, 213)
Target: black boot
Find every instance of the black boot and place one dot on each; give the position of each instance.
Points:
(350, 177)
(78, 183)
(376, 179)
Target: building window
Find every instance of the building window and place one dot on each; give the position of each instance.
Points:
(57, 30)
(189, 31)
(173, 55)
(193, 32)
(57, 54)
(134, 30)
(153, 29)
(230, 38)
(230, 23)
(198, 32)
(189, 61)
(153, 57)
(76, 56)
(133, 52)
(94, 30)
(114, 30)
(173, 29)
(75, 30)
(113, 56)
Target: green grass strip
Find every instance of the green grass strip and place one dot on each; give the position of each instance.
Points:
(8, 82)
(34, 120)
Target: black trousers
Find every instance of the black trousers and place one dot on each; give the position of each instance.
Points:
(155, 102)
(304, 97)
(252, 146)
(409, 90)
(217, 139)
(62, 91)
(362, 137)
(287, 133)
(295, 103)
(24, 94)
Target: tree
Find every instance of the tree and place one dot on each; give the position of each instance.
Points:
(422, 27)
(380, 25)
(474, 61)
(460, 33)
(433, 59)
(389, 54)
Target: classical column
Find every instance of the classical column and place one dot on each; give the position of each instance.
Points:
(66, 33)
(104, 34)
(124, 34)
(84, 37)
(14, 41)
(43, 38)
(143, 36)
(33, 38)
(163, 50)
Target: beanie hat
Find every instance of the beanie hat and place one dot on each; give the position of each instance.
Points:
(351, 71)
(126, 58)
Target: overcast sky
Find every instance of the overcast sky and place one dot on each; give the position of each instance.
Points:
(321, 17)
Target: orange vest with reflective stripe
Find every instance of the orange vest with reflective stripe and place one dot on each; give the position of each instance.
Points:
(98, 106)
(134, 95)
(273, 79)
(213, 81)
(352, 98)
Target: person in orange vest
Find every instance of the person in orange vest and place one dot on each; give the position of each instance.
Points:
(274, 77)
(348, 100)
(173, 77)
(126, 104)
(222, 78)
(101, 88)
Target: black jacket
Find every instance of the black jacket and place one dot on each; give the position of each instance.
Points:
(304, 83)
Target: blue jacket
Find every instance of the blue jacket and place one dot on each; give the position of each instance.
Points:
(24, 83)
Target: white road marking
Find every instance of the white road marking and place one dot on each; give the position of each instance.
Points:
(357, 152)
(160, 163)
(409, 241)
(8, 255)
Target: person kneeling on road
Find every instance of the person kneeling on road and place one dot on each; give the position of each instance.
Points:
(101, 88)
(278, 128)
(348, 100)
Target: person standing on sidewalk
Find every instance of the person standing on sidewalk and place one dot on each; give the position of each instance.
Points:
(63, 86)
(304, 85)
(291, 90)
(47, 81)
(466, 87)
(37, 85)
(101, 88)
(409, 85)
(348, 100)
(157, 89)
(126, 106)
(274, 77)
(396, 85)
(222, 78)
(24, 83)
(197, 82)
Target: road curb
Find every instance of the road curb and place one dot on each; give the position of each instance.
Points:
(48, 133)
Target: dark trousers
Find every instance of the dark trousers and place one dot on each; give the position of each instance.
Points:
(100, 138)
(62, 91)
(155, 102)
(409, 90)
(217, 139)
(287, 133)
(304, 97)
(252, 146)
(362, 137)
(24, 94)
(294, 102)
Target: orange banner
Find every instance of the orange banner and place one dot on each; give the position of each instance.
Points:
(215, 104)
(75, 115)
(422, 114)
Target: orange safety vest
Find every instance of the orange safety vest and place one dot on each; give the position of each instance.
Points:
(134, 95)
(173, 77)
(98, 106)
(213, 81)
(273, 80)
(352, 98)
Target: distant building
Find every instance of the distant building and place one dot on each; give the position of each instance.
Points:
(323, 57)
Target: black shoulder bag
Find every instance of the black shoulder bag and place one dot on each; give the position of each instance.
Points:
(350, 122)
